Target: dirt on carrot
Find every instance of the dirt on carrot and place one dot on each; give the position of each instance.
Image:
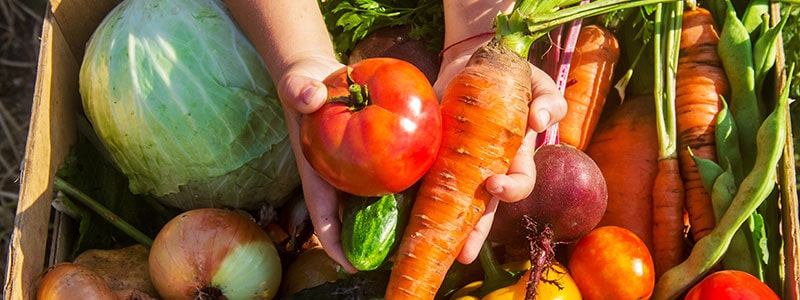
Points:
(588, 84)
(701, 82)
(484, 117)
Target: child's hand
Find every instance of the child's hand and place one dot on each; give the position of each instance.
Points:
(302, 92)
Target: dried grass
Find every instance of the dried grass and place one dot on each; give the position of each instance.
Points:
(19, 44)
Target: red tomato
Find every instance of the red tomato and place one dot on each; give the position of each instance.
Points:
(731, 284)
(612, 262)
(381, 144)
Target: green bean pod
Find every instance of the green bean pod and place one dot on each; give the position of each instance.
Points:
(755, 187)
(765, 51)
(736, 53)
(723, 192)
(741, 253)
(727, 141)
(752, 17)
(709, 172)
(722, 186)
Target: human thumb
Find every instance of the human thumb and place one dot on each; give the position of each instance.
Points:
(302, 93)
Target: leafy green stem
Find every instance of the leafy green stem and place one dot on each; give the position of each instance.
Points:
(105, 213)
(533, 19)
(666, 41)
(540, 23)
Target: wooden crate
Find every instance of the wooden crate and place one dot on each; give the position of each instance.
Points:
(42, 235)
(39, 235)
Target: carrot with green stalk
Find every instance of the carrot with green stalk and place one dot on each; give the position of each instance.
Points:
(668, 188)
(484, 118)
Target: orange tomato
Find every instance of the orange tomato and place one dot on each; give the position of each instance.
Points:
(612, 262)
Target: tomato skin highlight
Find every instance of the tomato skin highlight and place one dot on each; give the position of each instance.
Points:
(383, 147)
(612, 262)
(730, 284)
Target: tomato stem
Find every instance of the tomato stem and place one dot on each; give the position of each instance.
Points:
(359, 96)
(359, 93)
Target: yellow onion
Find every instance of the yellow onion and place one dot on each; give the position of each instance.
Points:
(212, 253)
(66, 281)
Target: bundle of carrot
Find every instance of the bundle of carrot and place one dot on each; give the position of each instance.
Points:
(727, 158)
(704, 196)
(484, 118)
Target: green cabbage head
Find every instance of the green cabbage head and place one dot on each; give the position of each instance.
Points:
(185, 106)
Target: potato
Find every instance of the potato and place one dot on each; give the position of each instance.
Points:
(123, 269)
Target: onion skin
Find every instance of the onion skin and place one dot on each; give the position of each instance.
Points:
(311, 268)
(214, 251)
(67, 281)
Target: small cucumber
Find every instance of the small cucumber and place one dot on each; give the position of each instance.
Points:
(371, 227)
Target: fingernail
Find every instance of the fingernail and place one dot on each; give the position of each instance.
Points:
(543, 117)
(308, 94)
(494, 189)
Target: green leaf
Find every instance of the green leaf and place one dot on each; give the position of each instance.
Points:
(349, 21)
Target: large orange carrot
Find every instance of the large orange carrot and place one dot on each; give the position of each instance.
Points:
(484, 117)
(589, 81)
(701, 82)
(625, 148)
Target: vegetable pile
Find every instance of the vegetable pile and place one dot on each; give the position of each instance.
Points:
(661, 183)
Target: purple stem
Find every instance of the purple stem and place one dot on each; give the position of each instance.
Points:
(563, 56)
